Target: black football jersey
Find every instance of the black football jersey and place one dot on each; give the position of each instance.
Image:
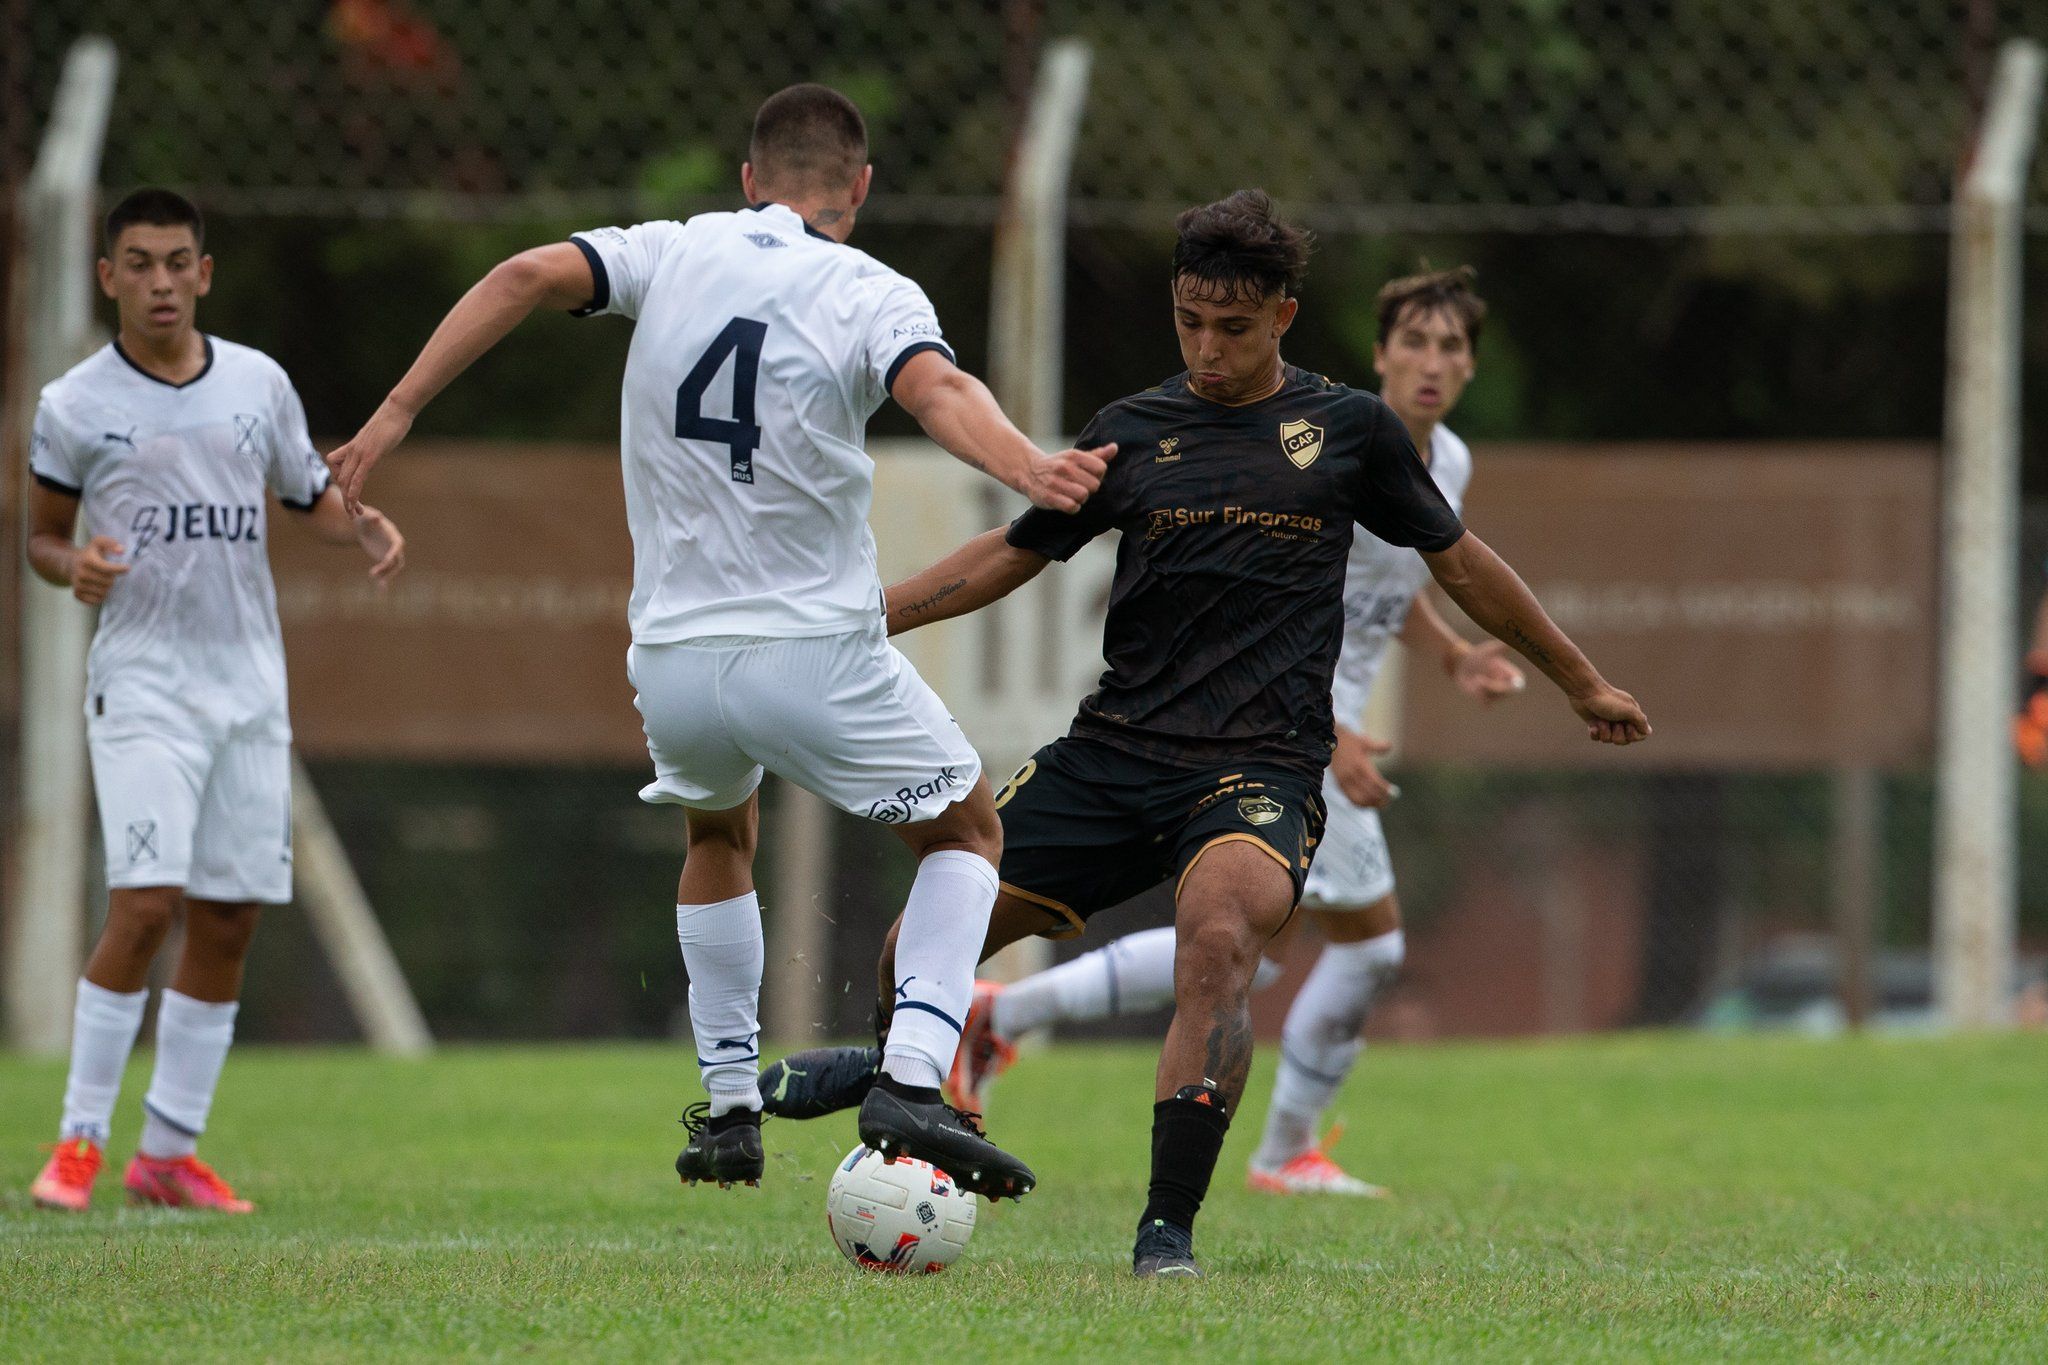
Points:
(1227, 611)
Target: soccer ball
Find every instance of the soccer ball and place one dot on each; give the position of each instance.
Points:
(904, 1217)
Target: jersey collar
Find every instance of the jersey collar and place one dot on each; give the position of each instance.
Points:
(1289, 377)
(204, 340)
(786, 209)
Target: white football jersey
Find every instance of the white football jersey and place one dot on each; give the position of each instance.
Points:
(762, 349)
(188, 637)
(1380, 584)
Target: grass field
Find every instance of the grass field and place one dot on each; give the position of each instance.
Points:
(1650, 1197)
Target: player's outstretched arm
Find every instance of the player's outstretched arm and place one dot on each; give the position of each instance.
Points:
(1482, 671)
(976, 574)
(1496, 598)
(379, 536)
(957, 410)
(556, 276)
(89, 570)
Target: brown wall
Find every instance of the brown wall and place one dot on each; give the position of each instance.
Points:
(504, 640)
(1772, 606)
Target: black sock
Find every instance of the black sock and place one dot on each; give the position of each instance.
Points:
(916, 1094)
(1187, 1137)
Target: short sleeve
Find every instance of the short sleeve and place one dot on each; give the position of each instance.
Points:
(903, 324)
(53, 458)
(1060, 535)
(1398, 501)
(296, 474)
(623, 262)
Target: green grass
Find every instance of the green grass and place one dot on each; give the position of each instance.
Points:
(1653, 1197)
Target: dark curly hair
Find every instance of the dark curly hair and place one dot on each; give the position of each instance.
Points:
(1239, 249)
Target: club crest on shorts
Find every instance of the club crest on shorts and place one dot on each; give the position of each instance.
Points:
(1259, 810)
(1301, 442)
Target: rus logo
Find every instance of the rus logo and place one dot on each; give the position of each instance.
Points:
(1301, 442)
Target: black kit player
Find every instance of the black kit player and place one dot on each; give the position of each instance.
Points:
(1200, 758)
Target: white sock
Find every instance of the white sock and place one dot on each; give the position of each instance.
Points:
(1320, 1042)
(723, 953)
(945, 922)
(192, 1039)
(103, 1025)
(1129, 975)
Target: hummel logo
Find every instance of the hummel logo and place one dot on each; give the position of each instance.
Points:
(1166, 451)
(128, 440)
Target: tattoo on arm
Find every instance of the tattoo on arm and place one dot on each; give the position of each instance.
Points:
(1526, 643)
(927, 603)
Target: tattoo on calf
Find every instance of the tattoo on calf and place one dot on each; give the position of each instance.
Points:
(927, 603)
(1229, 1057)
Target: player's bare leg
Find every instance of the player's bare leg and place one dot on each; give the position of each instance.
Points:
(718, 924)
(1232, 901)
(139, 918)
(1320, 1043)
(720, 862)
(217, 938)
(928, 984)
(111, 997)
(194, 1029)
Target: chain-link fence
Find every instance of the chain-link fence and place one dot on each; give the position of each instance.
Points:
(1716, 115)
(529, 901)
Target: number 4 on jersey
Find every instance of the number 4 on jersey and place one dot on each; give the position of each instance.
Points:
(742, 340)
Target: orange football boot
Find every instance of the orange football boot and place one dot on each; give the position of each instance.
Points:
(66, 1180)
(1312, 1172)
(181, 1182)
(983, 1054)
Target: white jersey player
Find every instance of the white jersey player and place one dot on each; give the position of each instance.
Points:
(168, 443)
(1429, 331)
(763, 344)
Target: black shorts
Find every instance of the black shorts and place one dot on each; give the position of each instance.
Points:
(1087, 826)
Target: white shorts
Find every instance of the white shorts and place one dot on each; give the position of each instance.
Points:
(845, 717)
(211, 816)
(1351, 868)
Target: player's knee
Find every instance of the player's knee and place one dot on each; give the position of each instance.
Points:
(731, 833)
(969, 824)
(1217, 956)
(140, 917)
(222, 931)
(984, 830)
